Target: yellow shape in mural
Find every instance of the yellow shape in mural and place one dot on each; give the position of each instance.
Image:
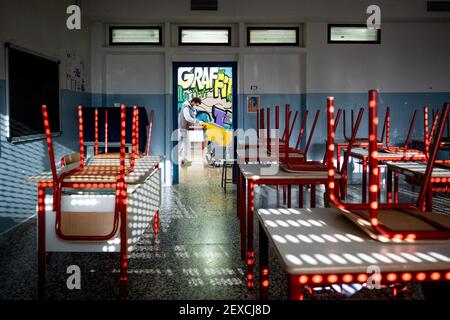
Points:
(218, 134)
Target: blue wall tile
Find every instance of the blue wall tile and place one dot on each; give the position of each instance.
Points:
(402, 108)
(19, 161)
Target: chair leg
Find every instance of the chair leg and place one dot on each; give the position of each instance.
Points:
(41, 242)
(225, 180)
(156, 222)
(123, 280)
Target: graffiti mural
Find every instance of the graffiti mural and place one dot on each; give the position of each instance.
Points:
(214, 85)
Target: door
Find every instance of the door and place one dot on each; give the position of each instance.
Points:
(215, 83)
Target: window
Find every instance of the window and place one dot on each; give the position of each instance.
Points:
(216, 36)
(135, 35)
(345, 33)
(278, 36)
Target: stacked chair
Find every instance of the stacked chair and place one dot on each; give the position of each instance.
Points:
(97, 202)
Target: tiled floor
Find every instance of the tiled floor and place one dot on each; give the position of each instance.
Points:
(195, 255)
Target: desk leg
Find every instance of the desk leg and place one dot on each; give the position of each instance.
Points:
(364, 181)
(395, 187)
(284, 194)
(263, 264)
(278, 195)
(343, 186)
(123, 284)
(379, 183)
(338, 157)
(242, 213)
(429, 205)
(156, 222)
(289, 193)
(250, 235)
(41, 242)
(389, 185)
(295, 290)
(238, 193)
(300, 196)
(313, 196)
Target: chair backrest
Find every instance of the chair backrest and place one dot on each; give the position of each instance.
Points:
(277, 118)
(81, 135)
(261, 119)
(428, 134)
(425, 131)
(373, 145)
(355, 128)
(302, 129)
(373, 157)
(149, 136)
(134, 137)
(48, 136)
(385, 131)
(411, 126)
(335, 125)
(106, 131)
(433, 127)
(386, 127)
(96, 131)
(311, 133)
(123, 121)
(293, 123)
(288, 112)
(288, 126)
(434, 150)
(134, 132)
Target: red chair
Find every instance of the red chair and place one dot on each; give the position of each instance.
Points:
(363, 142)
(135, 137)
(286, 153)
(389, 222)
(58, 183)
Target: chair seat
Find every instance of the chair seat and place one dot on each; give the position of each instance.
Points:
(399, 220)
(87, 223)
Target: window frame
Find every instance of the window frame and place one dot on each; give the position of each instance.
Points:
(182, 28)
(296, 44)
(330, 26)
(129, 27)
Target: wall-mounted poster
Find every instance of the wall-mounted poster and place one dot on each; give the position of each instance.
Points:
(75, 73)
(252, 103)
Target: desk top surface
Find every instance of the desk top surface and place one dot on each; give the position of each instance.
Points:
(105, 171)
(324, 241)
(275, 172)
(418, 168)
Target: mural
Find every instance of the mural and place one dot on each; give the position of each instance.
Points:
(214, 85)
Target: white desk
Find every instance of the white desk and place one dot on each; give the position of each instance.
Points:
(321, 246)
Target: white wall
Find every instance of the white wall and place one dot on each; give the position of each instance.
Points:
(41, 26)
(257, 11)
(272, 73)
(135, 73)
(412, 57)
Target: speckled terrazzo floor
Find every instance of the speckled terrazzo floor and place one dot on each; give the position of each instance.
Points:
(196, 255)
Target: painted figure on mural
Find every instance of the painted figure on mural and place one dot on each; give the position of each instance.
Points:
(186, 119)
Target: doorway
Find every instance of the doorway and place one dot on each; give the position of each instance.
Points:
(215, 83)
